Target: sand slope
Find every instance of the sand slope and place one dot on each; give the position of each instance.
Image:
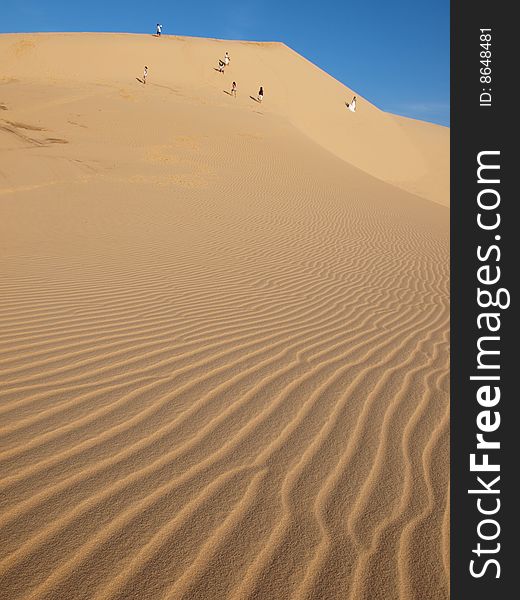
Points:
(223, 332)
(403, 152)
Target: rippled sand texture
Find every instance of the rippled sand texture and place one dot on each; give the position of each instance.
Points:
(223, 329)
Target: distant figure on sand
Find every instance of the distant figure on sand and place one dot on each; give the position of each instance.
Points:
(352, 105)
(234, 89)
(158, 29)
(260, 94)
(223, 63)
(145, 74)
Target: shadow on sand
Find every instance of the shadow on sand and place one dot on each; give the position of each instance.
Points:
(255, 99)
(139, 80)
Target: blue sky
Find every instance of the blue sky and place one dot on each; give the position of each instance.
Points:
(396, 54)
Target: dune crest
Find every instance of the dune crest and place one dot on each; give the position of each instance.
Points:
(224, 329)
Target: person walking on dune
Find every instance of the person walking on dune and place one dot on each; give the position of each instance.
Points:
(223, 63)
(234, 89)
(145, 74)
(352, 105)
(158, 29)
(260, 94)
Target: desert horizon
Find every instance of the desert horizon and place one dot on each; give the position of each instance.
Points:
(224, 327)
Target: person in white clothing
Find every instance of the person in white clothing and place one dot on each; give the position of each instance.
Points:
(352, 105)
(223, 63)
(145, 74)
(158, 29)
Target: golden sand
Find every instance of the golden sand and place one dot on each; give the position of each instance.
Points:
(224, 329)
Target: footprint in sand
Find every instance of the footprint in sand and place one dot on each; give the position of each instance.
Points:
(25, 126)
(17, 129)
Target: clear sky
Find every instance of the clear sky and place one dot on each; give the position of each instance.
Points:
(395, 54)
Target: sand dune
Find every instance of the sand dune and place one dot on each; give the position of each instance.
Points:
(224, 328)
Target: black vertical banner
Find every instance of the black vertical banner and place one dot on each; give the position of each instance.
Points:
(485, 263)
